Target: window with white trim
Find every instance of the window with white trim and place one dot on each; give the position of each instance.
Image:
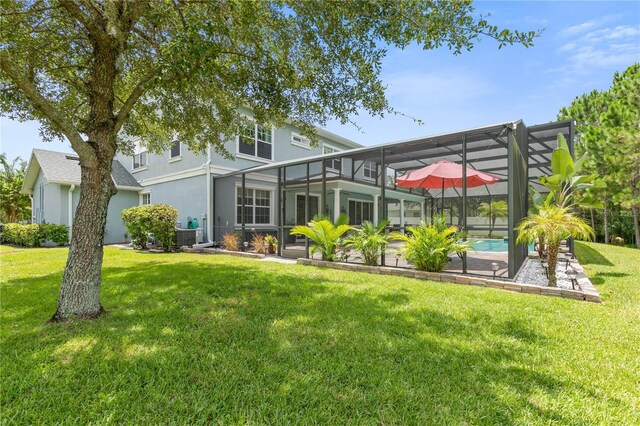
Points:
(257, 206)
(175, 149)
(140, 160)
(139, 156)
(369, 168)
(145, 199)
(255, 140)
(299, 140)
(334, 163)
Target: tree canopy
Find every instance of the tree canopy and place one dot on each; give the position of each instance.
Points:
(184, 69)
(608, 129)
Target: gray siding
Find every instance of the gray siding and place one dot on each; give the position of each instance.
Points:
(114, 232)
(46, 201)
(188, 195)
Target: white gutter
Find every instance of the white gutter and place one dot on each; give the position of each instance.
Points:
(32, 208)
(70, 210)
(208, 243)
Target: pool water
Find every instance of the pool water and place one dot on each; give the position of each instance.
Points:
(492, 245)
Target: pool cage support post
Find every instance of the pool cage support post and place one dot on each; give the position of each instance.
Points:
(243, 212)
(279, 213)
(464, 199)
(323, 207)
(570, 143)
(383, 200)
(306, 213)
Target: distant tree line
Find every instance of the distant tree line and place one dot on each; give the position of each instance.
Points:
(608, 128)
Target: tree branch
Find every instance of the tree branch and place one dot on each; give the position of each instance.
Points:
(48, 110)
(88, 23)
(135, 94)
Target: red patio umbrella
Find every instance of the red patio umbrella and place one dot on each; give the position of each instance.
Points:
(444, 174)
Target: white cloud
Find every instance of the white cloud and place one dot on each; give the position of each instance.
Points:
(579, 29)
(433, 87)
(592, 46)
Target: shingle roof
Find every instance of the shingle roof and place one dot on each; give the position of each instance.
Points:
(61, 167)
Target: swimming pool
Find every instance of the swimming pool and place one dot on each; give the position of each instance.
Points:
(492, 245)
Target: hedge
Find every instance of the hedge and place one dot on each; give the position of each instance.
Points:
(33, 235)
(158, 219)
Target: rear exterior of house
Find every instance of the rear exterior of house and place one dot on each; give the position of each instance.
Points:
(187, 180)
(53, 182)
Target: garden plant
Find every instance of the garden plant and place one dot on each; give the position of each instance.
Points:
(325, 233)
(429, 245)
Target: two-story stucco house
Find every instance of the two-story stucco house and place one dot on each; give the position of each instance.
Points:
(179, 177)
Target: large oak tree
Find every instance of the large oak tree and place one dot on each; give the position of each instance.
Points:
(92, 71)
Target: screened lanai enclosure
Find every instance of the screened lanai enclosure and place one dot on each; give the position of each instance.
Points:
(363, 183)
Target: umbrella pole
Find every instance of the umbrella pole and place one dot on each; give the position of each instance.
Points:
(442, 199)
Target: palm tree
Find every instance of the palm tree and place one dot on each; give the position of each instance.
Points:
(325, 234)
(369, 241)
(15, 205)
(554, 224)
(493, 211)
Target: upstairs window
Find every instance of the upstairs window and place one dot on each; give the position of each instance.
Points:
(334, 163)
(139, 160)
(369, 168)
(145, 199)
(175, 149)
(255, 140)
(300, 141)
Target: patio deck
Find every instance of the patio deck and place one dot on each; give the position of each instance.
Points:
(478, 263)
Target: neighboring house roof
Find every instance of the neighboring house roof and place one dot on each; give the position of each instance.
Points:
(64, 168)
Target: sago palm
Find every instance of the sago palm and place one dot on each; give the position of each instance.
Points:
(325, 234)
(369, 241)
(428, 246)
(554, 224)
(493, 211)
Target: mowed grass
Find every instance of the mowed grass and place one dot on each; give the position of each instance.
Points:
(191, 339)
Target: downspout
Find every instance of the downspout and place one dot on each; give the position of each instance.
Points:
(32, 209)
(70, 210)
(208, 243)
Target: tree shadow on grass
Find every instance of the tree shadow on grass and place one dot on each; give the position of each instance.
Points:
(604, 277)
(251, 343)
(589, 256)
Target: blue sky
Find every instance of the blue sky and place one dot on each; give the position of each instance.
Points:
(582, 45)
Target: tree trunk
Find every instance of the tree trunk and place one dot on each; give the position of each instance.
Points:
(636, 228)
(80, 291)
(605, 220)
(493, 225)
(593, 220)
(552, 259)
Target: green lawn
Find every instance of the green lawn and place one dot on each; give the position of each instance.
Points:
(216, 339)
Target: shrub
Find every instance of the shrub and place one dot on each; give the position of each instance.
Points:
(158, 219)
(231, 241)
(33, 235)
(369, 241)
(59, 234)
(325, 234)
(258, 243)
(428, 246)
(138, 224)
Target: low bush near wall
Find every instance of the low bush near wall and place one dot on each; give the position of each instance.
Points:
(231, 241)
(158, 219)
(33, 235)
